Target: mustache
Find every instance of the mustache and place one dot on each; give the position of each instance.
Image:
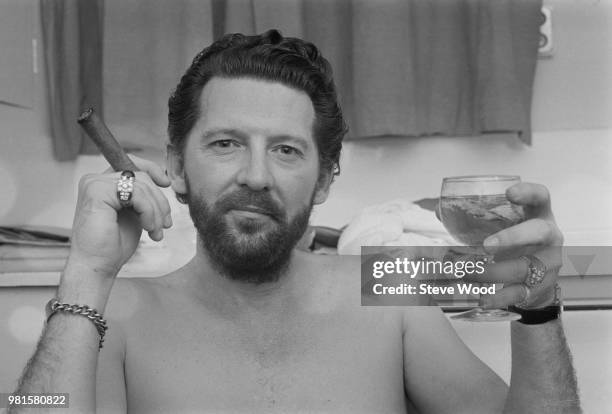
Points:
(245, 197)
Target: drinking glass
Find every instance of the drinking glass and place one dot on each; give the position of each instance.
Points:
(472, 208)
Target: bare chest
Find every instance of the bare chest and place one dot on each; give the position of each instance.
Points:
(332, 362)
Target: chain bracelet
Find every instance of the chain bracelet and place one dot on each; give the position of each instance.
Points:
(89, 313)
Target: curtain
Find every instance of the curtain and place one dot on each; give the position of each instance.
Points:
(148, 45)
(416, 67)
(72, 40)
(402, 67)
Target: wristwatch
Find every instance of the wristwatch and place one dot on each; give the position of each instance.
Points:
(538, 316)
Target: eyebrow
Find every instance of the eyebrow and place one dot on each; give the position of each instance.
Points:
(236, 133)
(223, 131)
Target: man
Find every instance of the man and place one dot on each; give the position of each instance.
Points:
(251, 324)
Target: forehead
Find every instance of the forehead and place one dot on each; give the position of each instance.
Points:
(256, 106)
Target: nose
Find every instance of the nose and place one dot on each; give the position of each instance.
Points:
(255, 172)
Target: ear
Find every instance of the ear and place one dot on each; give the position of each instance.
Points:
(176, 170)
(323, 185)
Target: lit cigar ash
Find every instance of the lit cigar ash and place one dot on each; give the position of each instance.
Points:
(105, 141)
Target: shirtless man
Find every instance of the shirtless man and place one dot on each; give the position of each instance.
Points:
(250, 324)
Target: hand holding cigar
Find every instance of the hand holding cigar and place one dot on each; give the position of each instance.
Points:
(147, 210)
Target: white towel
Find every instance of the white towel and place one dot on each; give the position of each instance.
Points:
(395, 223)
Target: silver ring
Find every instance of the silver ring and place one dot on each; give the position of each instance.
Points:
(125, 188)
(536, 270)
(525, 302)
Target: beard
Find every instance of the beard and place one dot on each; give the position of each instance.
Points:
(250, 251)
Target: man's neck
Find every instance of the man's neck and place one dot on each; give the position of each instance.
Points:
(214, 287)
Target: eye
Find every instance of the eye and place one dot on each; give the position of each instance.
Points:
(223, 143)
(288, 152)
(224, 146)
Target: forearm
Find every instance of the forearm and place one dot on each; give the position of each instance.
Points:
(543, 379)
(66, 357)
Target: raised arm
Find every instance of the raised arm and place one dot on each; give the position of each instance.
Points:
(105, 235)
(543, 379)
(443, 376)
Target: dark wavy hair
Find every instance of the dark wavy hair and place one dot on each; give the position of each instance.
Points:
(269, 56)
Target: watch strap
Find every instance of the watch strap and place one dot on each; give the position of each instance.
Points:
(537, 316)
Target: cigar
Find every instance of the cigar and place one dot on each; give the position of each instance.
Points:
(105, 141)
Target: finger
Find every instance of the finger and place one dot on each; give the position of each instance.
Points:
(98, 189)
(147, 199)
(144, 189)
(535, 199)
(534, 232)
(518, 294)
(164, 207)
(161, 202)
(148, 213)
(148, 190)
(515, 270)
(156, 173)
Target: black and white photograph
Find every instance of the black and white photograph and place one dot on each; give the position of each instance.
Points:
(306, 206)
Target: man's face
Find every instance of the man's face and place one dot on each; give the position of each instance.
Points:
(251, 172)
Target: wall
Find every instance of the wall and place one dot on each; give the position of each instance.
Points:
(573, 90)
(573, 164)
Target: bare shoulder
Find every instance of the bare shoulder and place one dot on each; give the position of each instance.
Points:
(130, 301)
(339, 280)
(336, 272)
(344, 266)
(128, 296)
